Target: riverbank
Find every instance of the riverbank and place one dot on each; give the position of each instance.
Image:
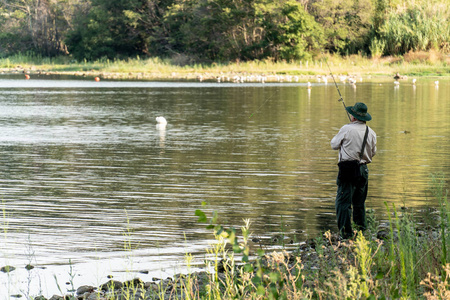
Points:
(413, 64)
(394, 260)
(405, 258)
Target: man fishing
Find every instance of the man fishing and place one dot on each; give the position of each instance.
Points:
(356, 143)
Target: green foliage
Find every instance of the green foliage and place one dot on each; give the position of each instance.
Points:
(377, 47)
(37, 26)
(256, 29)
(419, 27)
(109, 30)
(269, 276)
(298, 35)
(192, 31)
(438, 190)
(399, 267)
(364, 258)
(346, 23)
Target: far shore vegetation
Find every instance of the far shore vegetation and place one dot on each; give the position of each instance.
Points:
(417, 64)
(163, 39)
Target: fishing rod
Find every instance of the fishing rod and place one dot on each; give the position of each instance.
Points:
(267, 99)
(340, 99)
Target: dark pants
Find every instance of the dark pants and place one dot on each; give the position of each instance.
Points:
(352, 193)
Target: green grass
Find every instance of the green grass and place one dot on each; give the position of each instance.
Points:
(411, 262)
(428, 64)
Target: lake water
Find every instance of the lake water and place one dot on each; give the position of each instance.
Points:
(91, 187)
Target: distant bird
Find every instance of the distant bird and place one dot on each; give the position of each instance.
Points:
(436, 82)
(397, 76)
(27, 76)
(309, 85)
(342, 78)
(414, 81)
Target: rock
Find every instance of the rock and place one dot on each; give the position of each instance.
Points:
(7, 269)
(166, 284)
(138, 294)
(151, 286)
(85, 289)
(112, 285)
(29, 267)
(133, 284)
(221, 266)
(383, 235)
(386, 235)
(151, 294)
(94, 296)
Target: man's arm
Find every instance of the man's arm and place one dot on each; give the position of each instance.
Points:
(374, 146)
(336, 141)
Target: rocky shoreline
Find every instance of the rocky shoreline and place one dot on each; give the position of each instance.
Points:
(311, 253)
(326, 255)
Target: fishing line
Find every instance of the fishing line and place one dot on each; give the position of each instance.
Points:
(340, 99)
(267, 99)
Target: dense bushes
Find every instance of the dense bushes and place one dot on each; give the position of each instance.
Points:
(222, 30)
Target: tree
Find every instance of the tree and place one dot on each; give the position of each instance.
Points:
(295, 34)
(105, 31)
(33, 25)
(346, 23)
(242, 29)
(219, 29)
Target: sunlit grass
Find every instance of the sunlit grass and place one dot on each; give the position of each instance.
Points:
(410, 262)
(428, 64)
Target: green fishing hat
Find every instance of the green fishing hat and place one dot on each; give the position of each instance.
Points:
(359, 111)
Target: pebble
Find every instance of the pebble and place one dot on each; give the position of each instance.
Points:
(7, 269)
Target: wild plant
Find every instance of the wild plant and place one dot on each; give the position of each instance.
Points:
(392, 249)
(439, 192)
(377, 47)
(364, 258)
(437, 286)
(30, 256)
(274, 276)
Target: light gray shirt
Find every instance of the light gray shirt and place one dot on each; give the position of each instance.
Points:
(349, 142)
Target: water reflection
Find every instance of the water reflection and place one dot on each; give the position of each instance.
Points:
(161, 127)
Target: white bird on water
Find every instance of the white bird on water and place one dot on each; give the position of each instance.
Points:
(414, 81)
(161, 122)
